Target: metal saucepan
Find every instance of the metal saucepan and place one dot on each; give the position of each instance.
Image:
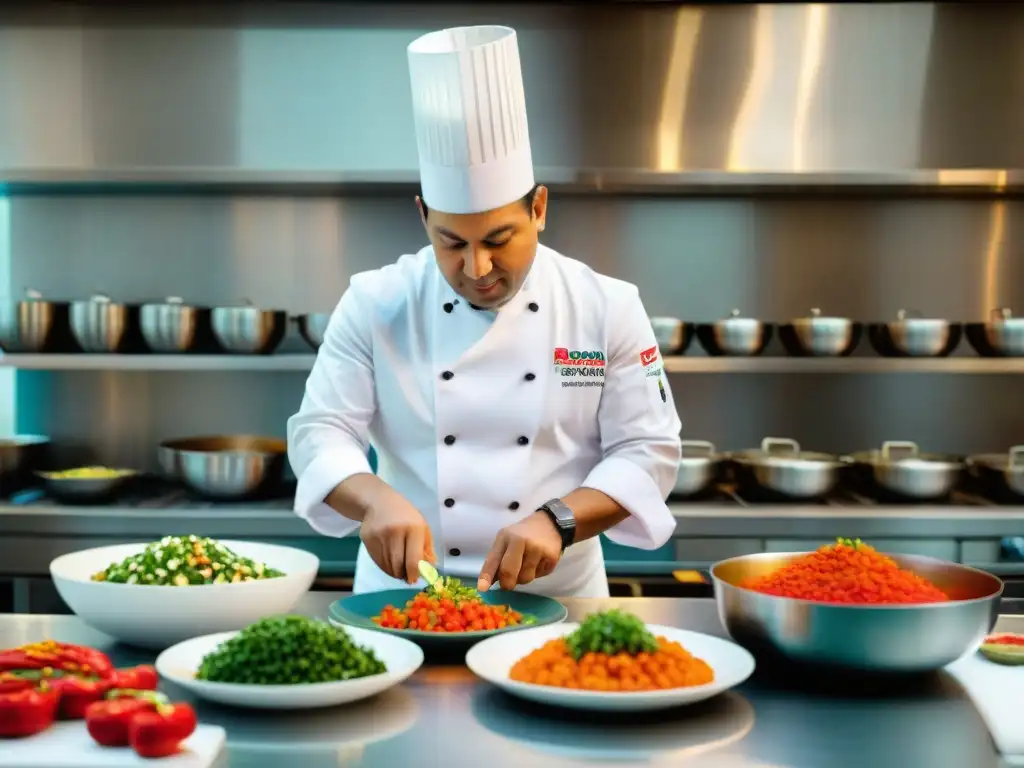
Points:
(699, 468)
(173, 327)
(20, 456)
(1000, 475)
(900, 469)
(734, 336)
(32, 324)
(886, 638)
(313, 327)
(1001, 336)
(913, 335)
(781, 469)
(248, 330)
(820, 336)
(100, 325)
(672, 334)
(226, 466)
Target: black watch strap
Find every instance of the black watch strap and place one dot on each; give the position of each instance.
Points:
(563, 518)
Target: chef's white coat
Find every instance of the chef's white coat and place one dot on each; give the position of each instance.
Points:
(479, 417)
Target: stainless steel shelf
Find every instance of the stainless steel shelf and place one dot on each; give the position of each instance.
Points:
(682, 364)
(983, 181)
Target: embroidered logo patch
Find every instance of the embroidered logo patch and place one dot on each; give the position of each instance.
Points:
(649, 357)
(579, 368)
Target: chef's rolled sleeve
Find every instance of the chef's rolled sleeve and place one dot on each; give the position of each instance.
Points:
(639, 429)
(328, 439)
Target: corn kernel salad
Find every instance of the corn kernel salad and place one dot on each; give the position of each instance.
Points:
(185, 561)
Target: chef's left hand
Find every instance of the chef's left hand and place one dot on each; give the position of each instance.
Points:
(521, 553)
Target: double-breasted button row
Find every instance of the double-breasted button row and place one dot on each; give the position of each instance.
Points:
(522, 440)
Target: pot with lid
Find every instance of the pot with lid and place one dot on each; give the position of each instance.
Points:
(999, 476)
(700, 469)
(820, 336)
(173, 327)
(672, 334)
(734, 336)
(1001, 336)
(899, 471)
(33, 324)
(781, 470)
(913, 335)
(249, 330)
(100, 325)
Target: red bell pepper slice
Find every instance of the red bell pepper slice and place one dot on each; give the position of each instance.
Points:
(27, 712)
(76, 694)
(108, 721)
(141, 678)
(159, 733)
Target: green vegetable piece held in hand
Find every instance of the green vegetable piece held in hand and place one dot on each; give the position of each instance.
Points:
(289, 650)
(611, 632)
(442, 587)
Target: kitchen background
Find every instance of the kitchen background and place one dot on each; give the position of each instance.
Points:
(858, 158)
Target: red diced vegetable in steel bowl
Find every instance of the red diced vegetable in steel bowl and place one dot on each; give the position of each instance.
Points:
(27, 712)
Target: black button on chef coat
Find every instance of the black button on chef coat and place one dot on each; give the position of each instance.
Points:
(447, 375)
(449, 502)
(454, 552)
(530, 376)
(448, 307)
(449, 439)
(514, 506)
(523, 440)
(533, 306)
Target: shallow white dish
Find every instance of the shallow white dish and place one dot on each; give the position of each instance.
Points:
(493, 658)
(157, 616)
(180, 663)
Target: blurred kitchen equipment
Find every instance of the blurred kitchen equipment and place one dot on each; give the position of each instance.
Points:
(172, 326)
(248, 330)
(226, 467)
(313, 327)
(820, 336)
(104, 486)
(781, 469)
(999, 475)
(913, 335)
(32, 324)
(886, 638)
(1001, 336)
(672, 334)
(100, 325)
(734, 336)
(20, 456)
(699, 468)
(899, 468)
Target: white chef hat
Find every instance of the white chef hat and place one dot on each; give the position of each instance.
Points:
(470, 114)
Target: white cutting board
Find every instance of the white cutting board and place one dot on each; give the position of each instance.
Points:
(997, 692)
(69, 745)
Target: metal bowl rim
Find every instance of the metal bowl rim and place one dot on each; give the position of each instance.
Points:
(860, 606)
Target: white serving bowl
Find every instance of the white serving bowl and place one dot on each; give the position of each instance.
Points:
(158, 616)
(180, 664)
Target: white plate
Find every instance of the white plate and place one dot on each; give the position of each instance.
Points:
(159, 616)
(180, 663)
(493, 658)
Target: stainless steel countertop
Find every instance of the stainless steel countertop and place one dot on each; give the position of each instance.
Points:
(444, 717)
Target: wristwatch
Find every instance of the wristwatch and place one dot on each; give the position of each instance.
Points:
(563, 518)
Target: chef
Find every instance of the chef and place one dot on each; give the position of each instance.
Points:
(516, 399)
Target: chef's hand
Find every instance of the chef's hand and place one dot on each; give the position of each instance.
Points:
(521, 553)
(397, 537)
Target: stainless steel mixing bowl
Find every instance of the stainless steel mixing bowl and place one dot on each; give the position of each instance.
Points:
(170, 326)
(249, 330)
(226, 467)
(313, 327)
(98, 324)
(26, 325)
(872, 638)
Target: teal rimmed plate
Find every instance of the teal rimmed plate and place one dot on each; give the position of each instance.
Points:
(359, 610)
